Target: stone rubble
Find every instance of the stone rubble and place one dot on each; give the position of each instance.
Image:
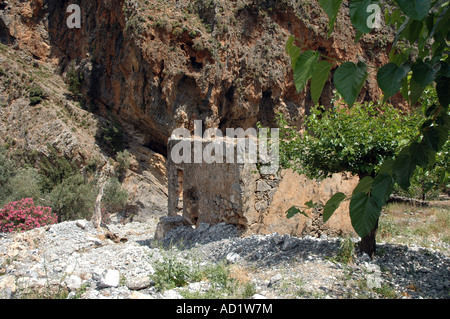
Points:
(76, 256)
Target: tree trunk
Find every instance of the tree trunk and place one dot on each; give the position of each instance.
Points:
(368, 243)
(97, 217)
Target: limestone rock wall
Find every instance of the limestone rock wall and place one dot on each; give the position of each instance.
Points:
(159, 65)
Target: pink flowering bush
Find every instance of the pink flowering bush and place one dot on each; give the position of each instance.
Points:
(23, 215)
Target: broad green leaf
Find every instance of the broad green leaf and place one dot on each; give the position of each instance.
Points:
(421, 154)
(395, 16)
(349, 79)
(364, 213)
(387, 166)
(443, 90)
(294, 211)
(390, 77)
(404, 167)
(364, 185)
(415, 9)
(332, 204)
(430, 23)
(382, 187)
(359, 14)
(424, 73)
(401, 31)
(414, 30)
(429, 112)
(331, 8)
(358, 36)
(405, 89)
(319, 79)
(435, 137)
(415, 91)
(444, 70)
(292, 50)
(442, 22)
(289, 44)
(304, 68)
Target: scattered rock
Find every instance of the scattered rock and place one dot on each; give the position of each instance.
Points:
(139, 282)
(171, 294)
(110, 279)
(277, 239)
(67, 256)
(73, 282)
(168, 223)
(289, 242)
(233, 258)
(82, 223)
(275, 279)
(140, 295)
(262, 186)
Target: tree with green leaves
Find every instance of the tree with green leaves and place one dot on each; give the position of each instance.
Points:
(355, 140)
(418, 59)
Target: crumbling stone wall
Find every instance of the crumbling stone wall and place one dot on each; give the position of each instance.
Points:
(266, 187)
(210, 192)
(238, 194)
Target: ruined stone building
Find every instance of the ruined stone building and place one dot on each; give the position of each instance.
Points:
(226, 189)
(219, 189)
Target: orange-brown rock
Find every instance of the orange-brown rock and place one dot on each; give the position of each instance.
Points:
(161, 65)
(296, 190)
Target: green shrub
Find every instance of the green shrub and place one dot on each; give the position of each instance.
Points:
(6, 169)
(24, 184)
(112, 135)
(427, 184)
(346, 251)
(54, 169)
(124, 160)
(74, 81)
(171, 273)
(431, 182)
(73, 198)
(36, 95)
(114, 196)
(17, 183)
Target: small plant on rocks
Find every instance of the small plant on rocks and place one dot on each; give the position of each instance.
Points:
(346, 253)
(171, 273)
(24, 215)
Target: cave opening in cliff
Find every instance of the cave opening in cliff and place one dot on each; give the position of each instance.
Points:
(157, 147)
(196, 65)
(5, 36)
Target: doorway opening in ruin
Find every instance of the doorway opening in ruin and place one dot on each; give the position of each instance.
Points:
(180, 175)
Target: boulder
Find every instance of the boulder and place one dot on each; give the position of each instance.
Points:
(167, 223)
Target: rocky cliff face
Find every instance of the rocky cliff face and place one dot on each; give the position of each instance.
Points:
(159, 65)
